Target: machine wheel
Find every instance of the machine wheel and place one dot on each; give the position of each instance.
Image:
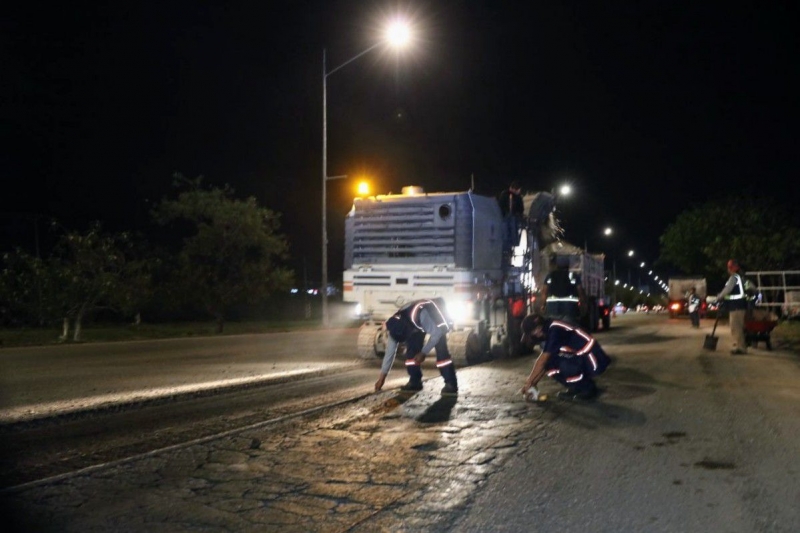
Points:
(465, 347)
(498, 351)
(367, 336)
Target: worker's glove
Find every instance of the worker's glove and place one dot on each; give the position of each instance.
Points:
(419, 358)
(531, 393)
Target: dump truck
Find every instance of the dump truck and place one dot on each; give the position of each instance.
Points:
(576, 286)
(679, 288)
(414, 245)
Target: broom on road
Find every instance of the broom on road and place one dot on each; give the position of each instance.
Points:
(711, 341)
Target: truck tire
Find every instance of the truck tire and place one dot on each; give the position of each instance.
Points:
(465, 347)
(367, 336)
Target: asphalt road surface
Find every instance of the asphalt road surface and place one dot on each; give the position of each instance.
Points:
(70, 407)
(682, 439)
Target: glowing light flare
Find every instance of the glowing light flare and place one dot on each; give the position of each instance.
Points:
(362, 188)
(460, 311)
(398, 33)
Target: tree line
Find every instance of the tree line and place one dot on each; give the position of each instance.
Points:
(213, 253)
(222, 252)
(762, 233)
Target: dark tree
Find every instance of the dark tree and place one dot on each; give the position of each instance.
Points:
(232, 253)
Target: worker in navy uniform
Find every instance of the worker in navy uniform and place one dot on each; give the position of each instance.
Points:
(409, 325)
(570, 356)
(734, 298)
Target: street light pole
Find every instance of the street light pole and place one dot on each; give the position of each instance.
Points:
(398, 35)
(325, 318)
(614, 266)
(325, 178)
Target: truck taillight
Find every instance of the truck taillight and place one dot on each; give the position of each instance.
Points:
(675, 307)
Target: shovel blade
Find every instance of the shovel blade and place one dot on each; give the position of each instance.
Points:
(710, 343)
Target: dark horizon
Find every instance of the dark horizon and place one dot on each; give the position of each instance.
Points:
(646, 110)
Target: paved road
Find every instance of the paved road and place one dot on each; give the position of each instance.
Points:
(682, 440)
(41, 381)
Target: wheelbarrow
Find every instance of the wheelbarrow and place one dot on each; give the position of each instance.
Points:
(757, 328)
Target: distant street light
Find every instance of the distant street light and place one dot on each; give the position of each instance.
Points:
(397, 35)
(363, 188)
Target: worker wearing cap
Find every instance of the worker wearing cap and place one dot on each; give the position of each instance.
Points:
(409, 325)
(570, 356)
(734, 298)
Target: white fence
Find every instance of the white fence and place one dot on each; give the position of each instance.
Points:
(778, 290)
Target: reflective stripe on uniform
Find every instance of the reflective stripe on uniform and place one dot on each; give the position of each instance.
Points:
(574, 379)
(593, 361)
(414, 314)
(740, 284)
(440, 364)
(411, 362)
(589, 340)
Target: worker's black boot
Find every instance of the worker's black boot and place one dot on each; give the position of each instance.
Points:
(412, 386)
(414, 379)
(449, 389)
(450, 382)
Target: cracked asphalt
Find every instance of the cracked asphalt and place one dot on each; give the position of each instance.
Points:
(682, 439)
(385, 463)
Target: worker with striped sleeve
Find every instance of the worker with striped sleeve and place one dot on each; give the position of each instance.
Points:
(409, 325)
(569, 355)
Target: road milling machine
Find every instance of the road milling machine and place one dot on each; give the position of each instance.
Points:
(413, 245)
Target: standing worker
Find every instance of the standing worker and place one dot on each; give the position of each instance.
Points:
(734, 298)
(513, 209)
(562, 294)
(409, 325)
(570, 356)
(694, 308)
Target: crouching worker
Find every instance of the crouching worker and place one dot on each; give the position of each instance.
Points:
(570, 356)
(409, 325)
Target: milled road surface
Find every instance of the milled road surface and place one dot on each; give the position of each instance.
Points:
(42, 381)
(681, 440)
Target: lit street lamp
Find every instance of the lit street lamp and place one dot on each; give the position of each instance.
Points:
(397, 35)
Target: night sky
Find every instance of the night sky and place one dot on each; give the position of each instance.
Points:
(646, 108)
